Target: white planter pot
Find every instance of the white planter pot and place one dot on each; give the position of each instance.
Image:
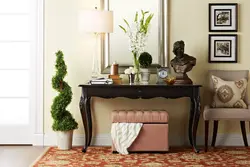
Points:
(145, 75)
(144, 70)
(64, 139)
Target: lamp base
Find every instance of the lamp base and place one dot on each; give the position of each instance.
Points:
(95, 66)
(94, 75)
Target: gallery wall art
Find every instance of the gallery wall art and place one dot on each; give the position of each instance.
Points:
(222, 48)
(223, 17)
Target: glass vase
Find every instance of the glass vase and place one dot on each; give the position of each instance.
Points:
(131, 78)
(137, 67)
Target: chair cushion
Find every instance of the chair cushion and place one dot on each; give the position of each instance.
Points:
(229, 94)
(226, 114)
(140, 116)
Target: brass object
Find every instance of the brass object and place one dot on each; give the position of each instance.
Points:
(114, 69)
(116, 79)
(170, 80)
(182, 63)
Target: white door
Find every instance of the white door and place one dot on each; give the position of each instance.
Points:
(17, 58)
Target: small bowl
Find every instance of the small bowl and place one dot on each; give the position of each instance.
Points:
(170, 80)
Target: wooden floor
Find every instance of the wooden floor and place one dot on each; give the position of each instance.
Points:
(19, 156)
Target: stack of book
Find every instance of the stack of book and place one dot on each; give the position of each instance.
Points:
(101, 81)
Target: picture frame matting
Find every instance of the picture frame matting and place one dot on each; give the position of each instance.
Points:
(223, 17)
(223, 48)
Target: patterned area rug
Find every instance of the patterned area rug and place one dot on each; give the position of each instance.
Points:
(102, 156)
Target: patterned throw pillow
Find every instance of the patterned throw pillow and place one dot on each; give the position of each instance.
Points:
(229, 94)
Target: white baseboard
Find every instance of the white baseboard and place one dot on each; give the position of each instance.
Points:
(79, 139)
(225, 140)
(38, 140)
(221, 140)
(105, 140)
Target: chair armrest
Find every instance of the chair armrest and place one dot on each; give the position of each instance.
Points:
(207, 107)
(248, 104)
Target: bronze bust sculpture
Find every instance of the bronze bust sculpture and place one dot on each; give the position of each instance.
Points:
(182, 63)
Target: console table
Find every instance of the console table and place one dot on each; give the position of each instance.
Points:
(144, 92)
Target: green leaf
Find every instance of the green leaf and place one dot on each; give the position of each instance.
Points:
(126, 22)
(136, 17)
(142, 22)
(149, 18)
(123, 28)
(142, 12)
(147, 22)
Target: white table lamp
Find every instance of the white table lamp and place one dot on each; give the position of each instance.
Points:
(97, 22)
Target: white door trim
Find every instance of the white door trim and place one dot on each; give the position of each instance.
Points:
(38, 116)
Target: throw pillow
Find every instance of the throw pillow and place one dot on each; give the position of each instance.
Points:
(229, 94)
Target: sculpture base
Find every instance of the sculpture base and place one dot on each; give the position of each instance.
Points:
(183, 80)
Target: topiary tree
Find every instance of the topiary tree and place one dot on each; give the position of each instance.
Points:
(145, 60)
(63, 120)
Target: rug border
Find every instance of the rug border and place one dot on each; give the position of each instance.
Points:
(40, 156)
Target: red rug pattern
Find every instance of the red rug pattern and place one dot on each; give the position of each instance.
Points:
(102, 156)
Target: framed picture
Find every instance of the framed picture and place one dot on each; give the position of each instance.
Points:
(222, 48)
(223, 17)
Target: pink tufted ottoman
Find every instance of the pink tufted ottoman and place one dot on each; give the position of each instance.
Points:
(153, 135)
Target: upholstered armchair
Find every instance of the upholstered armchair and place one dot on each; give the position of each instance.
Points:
(216, 114)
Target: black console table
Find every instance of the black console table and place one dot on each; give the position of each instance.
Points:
(144, 92)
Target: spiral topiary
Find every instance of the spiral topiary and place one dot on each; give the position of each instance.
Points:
(63, 120)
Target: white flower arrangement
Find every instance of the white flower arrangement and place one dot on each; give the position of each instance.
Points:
(137, 39)
(130, 70)
(138, 32)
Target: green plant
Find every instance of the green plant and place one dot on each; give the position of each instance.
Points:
(63, 120)
(145, 59)
(137, 33)
(143, 23)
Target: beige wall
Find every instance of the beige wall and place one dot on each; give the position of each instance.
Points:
(188, 22)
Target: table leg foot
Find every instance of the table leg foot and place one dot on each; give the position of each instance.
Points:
(196, 150)
(84, 150)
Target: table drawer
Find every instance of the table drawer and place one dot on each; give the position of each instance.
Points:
(138, 92)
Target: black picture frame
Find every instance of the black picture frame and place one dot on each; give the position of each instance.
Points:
(223, 17)
(223, 48)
